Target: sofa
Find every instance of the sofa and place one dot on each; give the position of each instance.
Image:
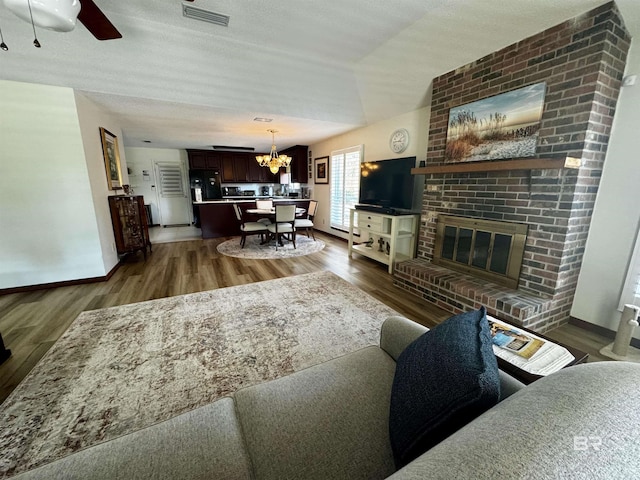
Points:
(331, 421)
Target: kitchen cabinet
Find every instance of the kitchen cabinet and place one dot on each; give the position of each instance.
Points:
(212, 161)
(197, 159)
(228, 169)
(235, 167)
(256, 173)
(299, 163)
(241, 166)
(130, 225)
(266, 175)
(218, 219)
(203, 160)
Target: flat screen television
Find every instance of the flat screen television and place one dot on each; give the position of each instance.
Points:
(388, 185)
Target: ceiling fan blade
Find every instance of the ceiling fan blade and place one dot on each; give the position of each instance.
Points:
(96, 22)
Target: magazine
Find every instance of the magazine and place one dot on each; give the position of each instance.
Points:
(549, 358)
(514, 340)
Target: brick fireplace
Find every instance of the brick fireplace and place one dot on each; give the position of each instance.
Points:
(582, 62)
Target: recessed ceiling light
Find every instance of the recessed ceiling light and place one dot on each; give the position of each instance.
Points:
(262, 119)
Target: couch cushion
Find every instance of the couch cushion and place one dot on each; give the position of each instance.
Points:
(329, 421)
(398, 332)
(443, 380)
(203, 443)
(580, 423)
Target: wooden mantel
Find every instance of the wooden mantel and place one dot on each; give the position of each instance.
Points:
(498, 165)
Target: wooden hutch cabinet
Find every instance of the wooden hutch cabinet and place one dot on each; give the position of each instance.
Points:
(130, 224)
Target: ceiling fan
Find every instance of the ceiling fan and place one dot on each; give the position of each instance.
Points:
(61, 16)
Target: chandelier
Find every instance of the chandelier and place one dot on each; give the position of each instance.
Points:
(273, 160)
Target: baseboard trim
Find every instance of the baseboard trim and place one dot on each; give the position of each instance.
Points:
(605, 332)
(331, 234)
(66, 283)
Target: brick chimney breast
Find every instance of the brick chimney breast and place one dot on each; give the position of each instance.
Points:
(582, 62)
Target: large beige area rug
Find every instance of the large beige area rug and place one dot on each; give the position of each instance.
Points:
(252, 248)
(120, 369)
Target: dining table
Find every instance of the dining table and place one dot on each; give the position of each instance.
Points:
(270, 213)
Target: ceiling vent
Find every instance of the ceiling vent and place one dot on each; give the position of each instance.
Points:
(205, 15)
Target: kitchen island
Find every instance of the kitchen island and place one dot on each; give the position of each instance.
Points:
(218, 219)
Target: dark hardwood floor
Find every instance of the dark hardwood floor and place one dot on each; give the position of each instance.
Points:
(31, 322)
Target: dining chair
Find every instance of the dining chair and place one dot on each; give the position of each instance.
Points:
(307, 223)
(249, 228)
(285, 223)
(264, 205)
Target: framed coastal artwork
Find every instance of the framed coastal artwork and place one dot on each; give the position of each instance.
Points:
(321, 170)
(498, 127)
(111, 159)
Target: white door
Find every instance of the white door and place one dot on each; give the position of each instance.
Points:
(173, 199)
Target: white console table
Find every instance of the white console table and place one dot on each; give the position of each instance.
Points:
(396, 234)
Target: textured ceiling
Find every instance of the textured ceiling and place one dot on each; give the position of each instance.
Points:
(316, 68)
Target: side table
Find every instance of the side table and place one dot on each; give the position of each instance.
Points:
(526, 377)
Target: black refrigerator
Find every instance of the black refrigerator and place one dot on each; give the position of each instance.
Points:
(208, 182)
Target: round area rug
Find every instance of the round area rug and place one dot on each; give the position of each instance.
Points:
(253, 249)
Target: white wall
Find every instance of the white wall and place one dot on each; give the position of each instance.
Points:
(616, 215)
(91, 118)
(48, 228)
(375, 139)
(140, 159)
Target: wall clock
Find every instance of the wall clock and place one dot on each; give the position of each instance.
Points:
(399, 140)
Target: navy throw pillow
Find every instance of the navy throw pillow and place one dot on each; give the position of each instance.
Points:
(443, 380)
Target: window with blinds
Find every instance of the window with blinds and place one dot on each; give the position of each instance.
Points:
(345, 184)
(631, 289)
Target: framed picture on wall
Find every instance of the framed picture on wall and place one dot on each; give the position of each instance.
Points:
(111, 159)
(321, 170)
(498, 127)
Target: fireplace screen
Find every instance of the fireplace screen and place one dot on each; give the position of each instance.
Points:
(485, 248)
